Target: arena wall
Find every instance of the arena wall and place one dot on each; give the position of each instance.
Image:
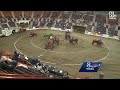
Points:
(102, 35)
(119, 34)
(9, 32)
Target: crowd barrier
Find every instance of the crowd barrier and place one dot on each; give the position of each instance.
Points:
(102, 35)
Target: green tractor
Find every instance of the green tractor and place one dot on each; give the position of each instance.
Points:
(48, 36)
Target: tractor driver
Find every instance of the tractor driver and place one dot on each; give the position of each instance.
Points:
(51, 37)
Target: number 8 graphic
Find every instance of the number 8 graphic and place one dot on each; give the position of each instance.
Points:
(88, 64)
(111, 14)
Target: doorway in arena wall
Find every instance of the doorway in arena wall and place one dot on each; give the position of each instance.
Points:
(80, 29)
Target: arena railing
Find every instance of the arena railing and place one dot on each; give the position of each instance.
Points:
(22, 76)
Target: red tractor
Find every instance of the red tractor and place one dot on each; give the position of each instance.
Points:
(67, 35)
(32, 34)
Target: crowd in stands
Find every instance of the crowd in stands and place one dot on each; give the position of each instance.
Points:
(43, 21)
(62, 19)
(100, 19)
(55, 14)
(4, 25)
(112, 31)
(100, 29)
(27, 14)
(35, 22)
(88, 18)
(65, 15)
(11, 22)
(50, 23)
(89, 28)
(3, 20)
(21, 64)
(46, 14)
(76, 16)
(113, 22)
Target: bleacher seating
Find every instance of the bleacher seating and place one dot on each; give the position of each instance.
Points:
(1, 15)
(55, 14)
(50, 23)
(57, 24)
(63, 25)
(88, 18)
(100, 19)
(46, 14)
(65, 15)
(112, 31)
(18, 14)
(76, 16)
(12, 24)
(7, 14)
(35, 23)
(89, 27)
(100, 29)
(37, 14)
(27, 14)
(85, 23)
(113, 21)
(10, 19)
(60, 19)
(43, 22)
(4, 25)
(68, 25)
(3, 20)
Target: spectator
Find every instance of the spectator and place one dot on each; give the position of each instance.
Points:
(39, 68)
(15, 56)
(101, 76)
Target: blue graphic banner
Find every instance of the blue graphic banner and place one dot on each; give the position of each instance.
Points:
(90, 66)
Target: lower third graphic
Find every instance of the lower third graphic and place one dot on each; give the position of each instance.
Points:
(90, 67)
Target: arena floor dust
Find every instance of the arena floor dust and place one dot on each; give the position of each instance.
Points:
(68, 56)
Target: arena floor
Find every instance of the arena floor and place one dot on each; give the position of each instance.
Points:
(68, 56)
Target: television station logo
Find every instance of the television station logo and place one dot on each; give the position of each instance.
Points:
(90, 66)
(112, 15)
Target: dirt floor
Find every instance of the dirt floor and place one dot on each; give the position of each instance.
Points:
(67, 56)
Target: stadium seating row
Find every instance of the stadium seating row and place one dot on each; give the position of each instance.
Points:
(59, 19)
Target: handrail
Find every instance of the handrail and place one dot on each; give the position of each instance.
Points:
(22, 76)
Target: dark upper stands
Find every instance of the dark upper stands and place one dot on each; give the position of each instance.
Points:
(3, 20)
(37, 14)
(35, 22)
(55, 14)
(7, 14)
(65, 15)
(12, 24)
(76, 16)
(112, 31)
(43, 21)
(4, 25)
(18, 14)
(88, 18)
(100, 28)
(113, 22)
(27, 14)
(100, 19)
(46, 14)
